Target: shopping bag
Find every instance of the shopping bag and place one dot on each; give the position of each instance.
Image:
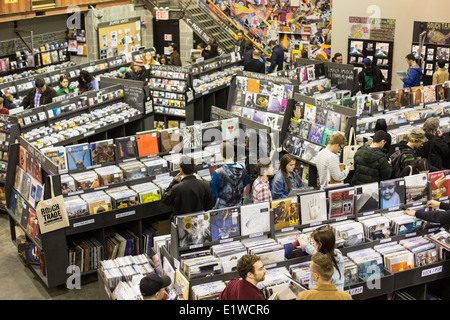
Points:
(348, 153)
(51, 213)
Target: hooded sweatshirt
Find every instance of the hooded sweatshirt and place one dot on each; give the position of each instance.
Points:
(227, 185)
(413, 78)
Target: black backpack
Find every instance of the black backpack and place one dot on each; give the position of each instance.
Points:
(396, 161)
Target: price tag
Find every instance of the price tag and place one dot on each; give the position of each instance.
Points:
(125, 214)
(83, 223)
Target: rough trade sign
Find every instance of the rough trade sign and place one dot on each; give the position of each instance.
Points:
(52, 214)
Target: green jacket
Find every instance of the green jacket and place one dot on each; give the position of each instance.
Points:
(371, 165)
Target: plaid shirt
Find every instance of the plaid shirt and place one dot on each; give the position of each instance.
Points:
(37, 98)
(261, 191)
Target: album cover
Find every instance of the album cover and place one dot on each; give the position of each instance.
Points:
(299, 147)
(248, 113)
(289, 143)
(440, 183)
(313, 208)
(294, 127)
(340, 202)
(333, 120)
(259, 116)
(250, 100)
(285, 213)
(316, 133)
(255, 218)
(147, 144)
(230, 129)
(224, 223)
(193, 229)
(356, 47)
(321, 116)
(239, 98)
(327, 134)
(392, 193)
(78, 156)
(377, 101)
(58, 156)
(288, 91)
(241, 84)
(237, 110)
(262, 102)
(391, 100)
(274, 105)
(253, 85)
(404, 97)
(25, 185)
(417, 95)
(273, 121)
(310, 113)
(265, 87)
(127, 147)
(102, 151)
(305, 127)
(441, 92)
(382, 50)
(416, 188)
(429, 94)
(170, 140)
(367, 198)
(23, 158)
(277, 91)
(311, 152)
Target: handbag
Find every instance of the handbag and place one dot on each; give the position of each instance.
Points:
(348, 153)
(52, 213)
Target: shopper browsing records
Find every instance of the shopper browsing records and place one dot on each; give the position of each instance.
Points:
(382, 125)
(153, 286)
(261, 187)
(252, 271)
(324, 241)
(240, 43)
(140, 72)
(407, 153)
(186, 193)
(174, 55)
(248, 51)
(3, 110)
(255, 64)
(321, 268)
(414, 73)
(328, 164)
(86, 82)
(8, 101)
(286, 179)
(441, 75)
(148, 60)
(371, 163)
(213, 50)
(338, 58)
(228, 182)
(277, 58)
(442, 217)
(64, 87)
(38, 96)
(163, 60)
(436, 149)
(370, 78)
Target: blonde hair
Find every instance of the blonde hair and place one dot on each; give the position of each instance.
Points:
(338, 138)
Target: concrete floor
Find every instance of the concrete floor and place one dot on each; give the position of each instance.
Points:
(19, 282)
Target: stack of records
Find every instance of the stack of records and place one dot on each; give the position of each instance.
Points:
(350, 272)
(109, 175)
(193, 229)
(98, 202)
(225, 223)
(291, 245)
(86, 254)
(133, 170)
(255, 218)
(148, 235)
(155, 166)
(76, 207)
(369, 263)
(402, 223)
(121, 244)
(442, 240)
(228, 254)
(396, 257)
(349, 233)
(173, 161)
(123, 197)
(425, 252)
(301, 272)
(86, 180)
(199, 264)
(277, 281)
(148, 192)
(162, 182)
(208, 291)
(67, 184)
(268, 250)
(376, 227)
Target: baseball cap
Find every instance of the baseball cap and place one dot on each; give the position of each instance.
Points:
(152, 283)
(418, 134)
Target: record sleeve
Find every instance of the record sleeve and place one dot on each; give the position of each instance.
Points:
(392, 193)
(78, 156)
(286, 213)
(127, 147)
(102, 151)
(341, 202)
(367, 198)
(224, 223)
(193, 229)
(255, 218)
(147, 144)
(313, 208)
(58, 156)
(416, 188)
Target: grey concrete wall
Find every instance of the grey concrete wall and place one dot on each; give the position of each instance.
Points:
(186, 41)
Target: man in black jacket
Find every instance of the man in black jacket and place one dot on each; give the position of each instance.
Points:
(255, 64)
(277, 58)
(186, 193)
(370, 79)
(39, 95)
(442, 217)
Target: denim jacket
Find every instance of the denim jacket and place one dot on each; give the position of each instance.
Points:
(279, 185)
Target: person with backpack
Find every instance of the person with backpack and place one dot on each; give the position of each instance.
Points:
(370, 78)
(436, 149)
(407, 153)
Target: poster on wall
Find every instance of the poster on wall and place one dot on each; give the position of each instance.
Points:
(119, 37)
(371, 28)
(437, 32)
